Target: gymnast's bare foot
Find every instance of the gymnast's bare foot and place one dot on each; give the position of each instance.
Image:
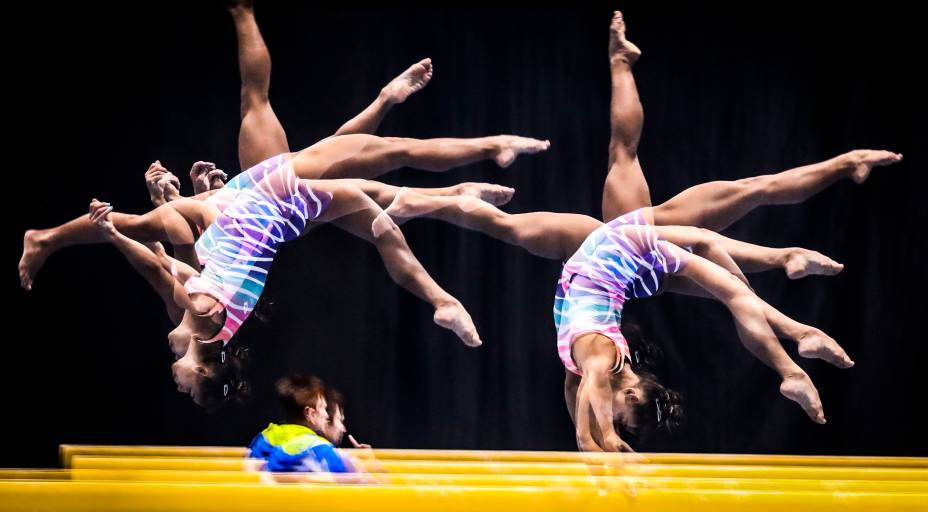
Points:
(619, 47)
(35, 252)
(799, 388)
(862, 161)
(454, 317)
(511, 146)
(803, 262)
(496, 195)
(409, 81)
(817, 345)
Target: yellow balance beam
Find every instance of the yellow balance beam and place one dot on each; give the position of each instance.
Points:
(659, 483)
(69, 450)
(525, 468)
(170, 497)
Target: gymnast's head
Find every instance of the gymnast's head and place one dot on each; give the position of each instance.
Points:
(641, 404)
(303, 401)
(212, 373)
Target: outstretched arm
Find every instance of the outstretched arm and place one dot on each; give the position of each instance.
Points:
(596, 356)
(177, 268)
(571, 390)
(571, 387)
(164, 188)
(147, 262)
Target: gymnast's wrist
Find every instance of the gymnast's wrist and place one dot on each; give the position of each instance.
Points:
(168, 196)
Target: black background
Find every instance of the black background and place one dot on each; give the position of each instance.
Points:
(98, 92)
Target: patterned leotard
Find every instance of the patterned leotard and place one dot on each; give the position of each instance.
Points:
(263, 207)
(618, 261)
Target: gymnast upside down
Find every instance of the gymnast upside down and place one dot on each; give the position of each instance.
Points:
(216, 279)
(639, 250)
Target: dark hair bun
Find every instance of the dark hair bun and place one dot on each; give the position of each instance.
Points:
(240, 387)
(671, 409)
(226, 382)
(660, 411)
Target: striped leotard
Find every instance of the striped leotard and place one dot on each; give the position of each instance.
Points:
(618, 261)
(244, 181)
(264, 207)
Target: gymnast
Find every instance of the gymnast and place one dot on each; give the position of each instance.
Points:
(639, 252)
(261, 136)
(179, 221)
(272, 203)
(259, 120)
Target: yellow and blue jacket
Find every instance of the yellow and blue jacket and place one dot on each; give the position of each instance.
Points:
(292, 447)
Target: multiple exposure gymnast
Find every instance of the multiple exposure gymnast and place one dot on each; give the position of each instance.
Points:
(270, 203)
(638, 252)
(225, 239)
(261, 136)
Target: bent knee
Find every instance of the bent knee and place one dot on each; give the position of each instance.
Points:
(623, 152)
(252, 100)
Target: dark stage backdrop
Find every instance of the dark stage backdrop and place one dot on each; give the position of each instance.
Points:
(101, 91)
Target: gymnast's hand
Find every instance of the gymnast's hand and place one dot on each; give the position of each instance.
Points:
(100, 217)
(205, 177)
(217, 179)
(587, 445)
(613, 443)
(162, 185)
